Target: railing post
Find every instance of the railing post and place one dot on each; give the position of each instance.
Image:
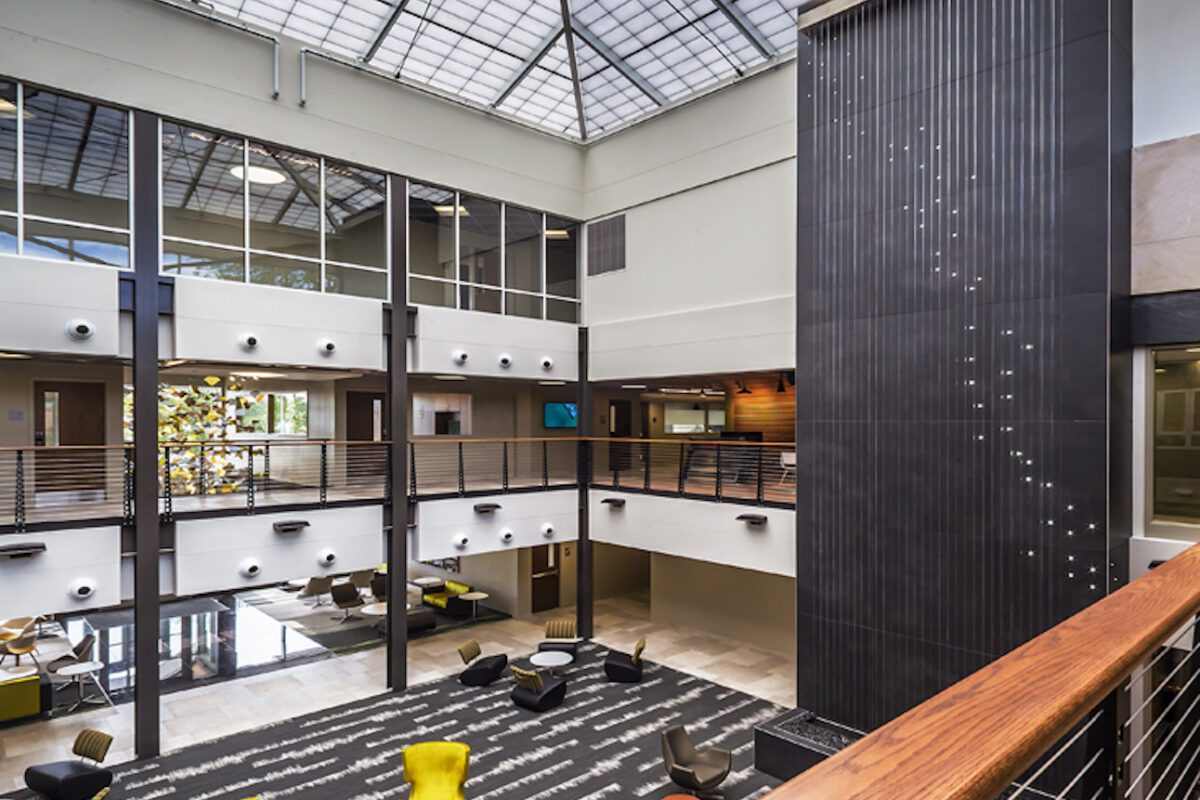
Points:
(267, 466)
(19, 498)
(250, 479)
(545, 464)
(758, 485)
(203, 470)
(682, 466)
(387, 484)
(127, 483)
(718, 486)
(324, 473)
(615, 463)
(462, 476)
(504, 466)
(646, 467)
(412, 470)
(168, 509)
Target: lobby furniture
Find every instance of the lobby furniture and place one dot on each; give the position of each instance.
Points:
(22, 694)
(24, 644)
(80, 674)
(376, 610)
(318, 588)
(473, 598)
(481, 670)
(787, 465)
(75, 780)
(551, 659)
(429, 583)
(347, 598)
(699, 771)
(561, 636)
(379, 586)
(421, 618)
(537, 693)
(415, 594)
(437, 770)
(361, 579)
(82, 651)
(625, 668)
(449, 598)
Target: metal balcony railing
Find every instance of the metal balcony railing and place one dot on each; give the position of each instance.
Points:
(459, 467)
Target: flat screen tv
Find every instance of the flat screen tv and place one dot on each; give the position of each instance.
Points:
(560, 415)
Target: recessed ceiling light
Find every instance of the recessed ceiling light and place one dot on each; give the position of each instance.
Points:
(449, 377)
(8, 110)
(448, 210)
(264, 175)
(552, 383)
(257, 375)
(557, 233)
(14, 355)
(1193, 350)
(633, 386)
(673, 390)
(1160, 369)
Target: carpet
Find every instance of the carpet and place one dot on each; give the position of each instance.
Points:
(603, 742)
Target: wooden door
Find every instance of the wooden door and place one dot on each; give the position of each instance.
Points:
(66, 414)
(366, 415)
(544, 590)
(620, 426)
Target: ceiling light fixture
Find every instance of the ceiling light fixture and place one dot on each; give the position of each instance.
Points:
(637, 386)
(257, 375)
(1193, 350)
(779, 387)
(557, 233)
(8, 110)
(674, 390)
(14, 355)
(449, 377)
(263, 175)
(552, 383)
(742, 388)
(448, 211)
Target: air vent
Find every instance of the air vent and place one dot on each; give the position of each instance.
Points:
(606, 245)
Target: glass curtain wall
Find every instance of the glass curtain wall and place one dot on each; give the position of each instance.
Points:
(483, 255)
(64, 177)
(239, 210)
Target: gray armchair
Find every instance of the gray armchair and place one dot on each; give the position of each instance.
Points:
(317, 587)
(699, 771)
(346, 597)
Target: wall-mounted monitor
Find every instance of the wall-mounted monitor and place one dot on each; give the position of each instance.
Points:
(560, 415)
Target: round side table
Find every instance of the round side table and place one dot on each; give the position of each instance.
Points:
(474, 598)
(79, 674)
(550, 659)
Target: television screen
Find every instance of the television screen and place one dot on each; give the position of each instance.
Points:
(560, 415)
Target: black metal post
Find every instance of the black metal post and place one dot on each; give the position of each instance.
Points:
(250, 498)
(504, 466)
(395, 518)
(19, 499)
(127, 485)
(412, 476)
(717, 491)
(545, 464)
(584, 579)
(758, 486)
(168, 504)
(324, 474)
(646, 467)
(462, 477)
(145, 432)
(267, 467)
(682, 467)
(203, 470)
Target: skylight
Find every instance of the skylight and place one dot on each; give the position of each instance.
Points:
(632, 57)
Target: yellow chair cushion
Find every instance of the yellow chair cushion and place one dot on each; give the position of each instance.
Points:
(454, 587)
(439, 599)
(437, 770)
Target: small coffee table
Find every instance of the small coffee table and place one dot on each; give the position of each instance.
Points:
(428, 582)
(374, 610)
(473, 598)
(551, 660)
(79, 674)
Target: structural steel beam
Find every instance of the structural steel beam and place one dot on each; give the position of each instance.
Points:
(566, 18)
(620, 65)
(396, 512)
(527, 66)
(384, 29)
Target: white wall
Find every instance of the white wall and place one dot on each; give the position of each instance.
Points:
(440, 522)
(1166, 71)
(40, 298)
(443, 332)
(41, 584)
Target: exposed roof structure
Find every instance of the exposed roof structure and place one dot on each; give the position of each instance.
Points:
(572, 67)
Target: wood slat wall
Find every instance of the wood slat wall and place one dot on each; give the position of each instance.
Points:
(765, 410)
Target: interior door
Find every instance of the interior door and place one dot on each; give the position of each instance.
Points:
(68, 414)
(544, 589)
(365, 416)
(620, 426)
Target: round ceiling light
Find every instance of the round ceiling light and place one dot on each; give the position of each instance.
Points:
(255, 174)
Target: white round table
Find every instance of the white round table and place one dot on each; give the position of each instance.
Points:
(374, 610)
(550, 659)
(473, 598)
(79, 674)
(298, 583)
(13, 673)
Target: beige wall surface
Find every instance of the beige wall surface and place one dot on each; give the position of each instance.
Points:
(16, 395)
(741, 604)
(620, 570)
(496, 573)
(1166, 216)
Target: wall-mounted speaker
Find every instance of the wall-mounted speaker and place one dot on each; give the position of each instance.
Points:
(326, 557)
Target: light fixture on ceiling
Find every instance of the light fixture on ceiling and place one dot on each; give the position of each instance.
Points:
(449, 377)
(257, 375)
(14, 355)
(552, 383)
(714, 392)
(742, 388)
(695, 406)
(557, 233)
(779, 387)
(637, 386)
(1160, 369)
(1193, 350)
(448, 211)
(256, 174)
(8, 110)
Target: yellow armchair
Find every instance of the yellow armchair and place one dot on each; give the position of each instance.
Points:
(437, 770)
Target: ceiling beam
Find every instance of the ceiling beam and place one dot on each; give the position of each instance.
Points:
(747, 28)
(567, 31)
(384, 29)
(527, 65)
(620, 65)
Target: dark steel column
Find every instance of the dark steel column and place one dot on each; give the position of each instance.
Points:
(145, 433)
(396, 514)
(584, 594)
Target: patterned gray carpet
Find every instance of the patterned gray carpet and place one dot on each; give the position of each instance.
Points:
(603, 742)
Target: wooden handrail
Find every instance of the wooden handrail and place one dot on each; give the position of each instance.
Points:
(677, 442)
(976, 737)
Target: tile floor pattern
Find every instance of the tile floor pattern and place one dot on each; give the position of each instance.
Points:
(221, 709)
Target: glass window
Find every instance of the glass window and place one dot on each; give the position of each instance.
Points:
(76, 160)
(522, 249)
(199, 261)
(1177, 435)
(356, 215)
(431, 293)
(358, 282)
(478, 241)
(8, 234)
(285, 272)
(83, 245)
(288, 413)
(285, 201)
(203, 193)
(476, 298)
(522, 305)
(431, 231)
(441, 414)
(8, 148)
(562, 257)
(562, 310)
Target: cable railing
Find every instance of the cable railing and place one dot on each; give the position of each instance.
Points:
(62, 484)
(460, 467)
(1104, 706)
(757, 473)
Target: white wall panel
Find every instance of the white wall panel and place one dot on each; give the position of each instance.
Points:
(439, 522)
(40, 298)
(211, 317)
(41, 584)
(485, 337)
(698, 529)
(209, 552)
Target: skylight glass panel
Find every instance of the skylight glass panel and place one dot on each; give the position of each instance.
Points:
(776, 19)
(609, 98)
(345, 27)
(547, 96)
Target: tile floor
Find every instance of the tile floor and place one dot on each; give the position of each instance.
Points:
(224, 708)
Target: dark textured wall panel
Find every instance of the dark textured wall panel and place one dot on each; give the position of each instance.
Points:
(959, 272)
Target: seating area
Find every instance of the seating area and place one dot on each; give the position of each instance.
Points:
(39, 686)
